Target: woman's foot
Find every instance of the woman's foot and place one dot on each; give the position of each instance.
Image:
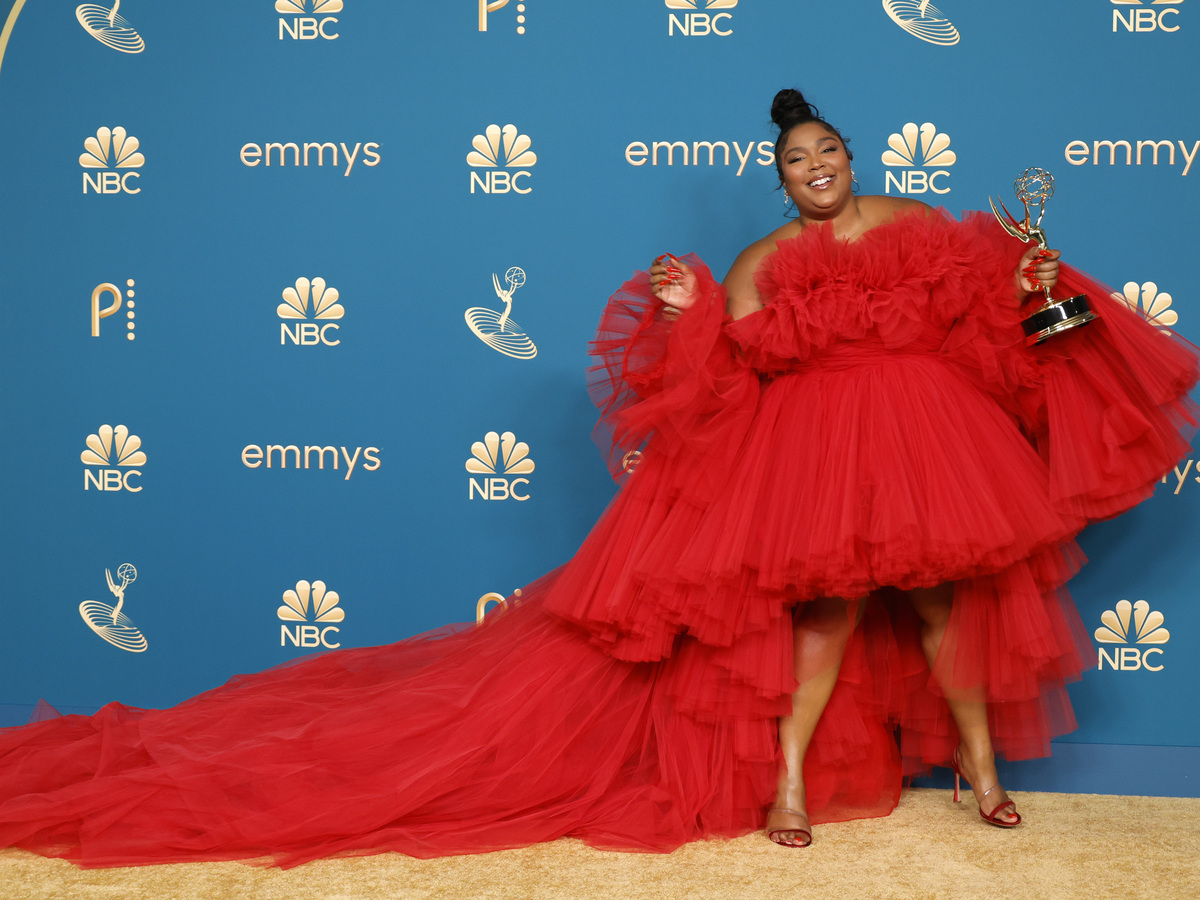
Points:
(787, 820)
(789, 827)
(978, 769)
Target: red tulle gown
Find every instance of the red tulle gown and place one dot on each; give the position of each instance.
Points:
(878, 425)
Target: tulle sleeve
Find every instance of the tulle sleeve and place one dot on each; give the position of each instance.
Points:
(1112, 413)
(677, 380)
(1106, 405)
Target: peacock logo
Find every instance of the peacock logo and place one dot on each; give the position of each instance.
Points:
(111, 457)
(497, 329)
(314, 608)
(1145, 18)
(1148, 300)
(310, 19)
(111, 149)
(1131, 623)
(309, 310)
(923, 20)
(110, 622)
(502, 461)
(501, 148)
(700, 18)
(915, 150)
(299, 7)
(109, 27)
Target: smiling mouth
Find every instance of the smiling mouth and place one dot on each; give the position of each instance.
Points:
(821, 182)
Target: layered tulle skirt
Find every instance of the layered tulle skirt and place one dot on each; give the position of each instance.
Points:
(630, 698)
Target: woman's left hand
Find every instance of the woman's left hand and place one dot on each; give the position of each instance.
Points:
(1037, 269)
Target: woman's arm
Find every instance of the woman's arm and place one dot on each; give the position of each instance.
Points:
(742, 297)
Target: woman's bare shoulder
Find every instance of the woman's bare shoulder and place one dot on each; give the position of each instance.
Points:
(882, 209)
(742, 294)
(748, 260)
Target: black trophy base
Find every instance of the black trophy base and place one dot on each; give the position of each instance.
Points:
(1057, 317)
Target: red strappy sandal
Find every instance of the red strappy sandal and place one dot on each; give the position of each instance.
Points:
(993, 817)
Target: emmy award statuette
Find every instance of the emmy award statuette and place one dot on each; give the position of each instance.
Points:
(1036, 186)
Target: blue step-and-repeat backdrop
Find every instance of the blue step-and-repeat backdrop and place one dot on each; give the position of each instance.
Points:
(296, 294)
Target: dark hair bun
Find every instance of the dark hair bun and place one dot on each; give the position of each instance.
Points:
(789, 108)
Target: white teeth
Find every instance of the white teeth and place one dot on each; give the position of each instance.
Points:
(821, 181)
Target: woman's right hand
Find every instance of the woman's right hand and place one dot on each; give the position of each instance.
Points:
(673, 282)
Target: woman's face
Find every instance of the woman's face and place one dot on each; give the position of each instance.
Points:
(816, 171)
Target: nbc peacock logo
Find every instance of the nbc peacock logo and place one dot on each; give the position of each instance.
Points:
(502, 461)
(920, 153)
(1148, 300)
(111, 458)
(700, 18)
(308, 20)
(497, 329)
(110, 622)
(1140, 15)
(313, 609)
(497, 150)
(109, 27)
(112, 154)
(310, 311)
(1131, 623)
(923, 20)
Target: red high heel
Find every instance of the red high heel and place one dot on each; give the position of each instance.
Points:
(806, 831)
(993, 817)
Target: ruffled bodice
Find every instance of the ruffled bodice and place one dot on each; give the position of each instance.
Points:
(922, 284)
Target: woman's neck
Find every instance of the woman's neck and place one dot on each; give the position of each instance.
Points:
(847, 223)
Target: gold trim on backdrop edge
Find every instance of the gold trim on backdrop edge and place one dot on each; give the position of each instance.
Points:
(8, 27)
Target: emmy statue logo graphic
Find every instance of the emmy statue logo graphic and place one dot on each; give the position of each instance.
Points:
(108, 621)
(498, 330)
(922, 19)
(98, 313)
(109, 28)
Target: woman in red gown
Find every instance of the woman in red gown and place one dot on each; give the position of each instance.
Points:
(853, 509)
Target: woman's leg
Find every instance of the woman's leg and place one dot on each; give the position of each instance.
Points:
(977, 759)
(821, 631)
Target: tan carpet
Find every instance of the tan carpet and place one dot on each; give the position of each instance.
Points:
(1072, 846)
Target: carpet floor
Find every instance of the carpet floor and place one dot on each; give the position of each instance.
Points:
(1071, 846)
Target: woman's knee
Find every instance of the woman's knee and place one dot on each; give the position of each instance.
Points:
(828, 616)
(933, 605)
